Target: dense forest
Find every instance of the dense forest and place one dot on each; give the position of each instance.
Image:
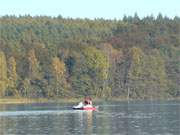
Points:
(56, 57)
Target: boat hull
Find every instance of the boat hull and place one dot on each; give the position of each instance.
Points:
(86, 108)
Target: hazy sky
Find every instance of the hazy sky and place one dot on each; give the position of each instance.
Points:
(108, 9)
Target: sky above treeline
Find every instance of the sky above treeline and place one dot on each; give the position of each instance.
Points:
(108, 9)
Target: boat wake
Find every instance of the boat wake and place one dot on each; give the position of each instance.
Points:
(36, 113)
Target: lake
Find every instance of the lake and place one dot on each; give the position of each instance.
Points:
(112, 118)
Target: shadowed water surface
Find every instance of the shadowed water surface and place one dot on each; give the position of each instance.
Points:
(121, 118)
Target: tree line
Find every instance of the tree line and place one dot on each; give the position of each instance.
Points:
(56, 57)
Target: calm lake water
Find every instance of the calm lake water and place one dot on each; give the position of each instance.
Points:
(121, 118)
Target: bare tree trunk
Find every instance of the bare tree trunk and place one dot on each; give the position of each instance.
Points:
(128, 94)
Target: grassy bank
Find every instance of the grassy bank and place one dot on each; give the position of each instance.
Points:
(38, 100)
(70, 100)
(43, 100)
(21, 100)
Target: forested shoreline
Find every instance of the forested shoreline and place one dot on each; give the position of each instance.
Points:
(56, 57)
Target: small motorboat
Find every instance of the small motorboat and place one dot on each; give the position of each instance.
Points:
(81, 106)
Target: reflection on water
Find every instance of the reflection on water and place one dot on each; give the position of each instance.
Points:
(136, 118)
(89, 121)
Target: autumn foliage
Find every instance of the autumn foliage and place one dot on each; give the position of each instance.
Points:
(62, 57)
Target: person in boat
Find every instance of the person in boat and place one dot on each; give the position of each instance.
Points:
(90, 101)
(87, 101)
